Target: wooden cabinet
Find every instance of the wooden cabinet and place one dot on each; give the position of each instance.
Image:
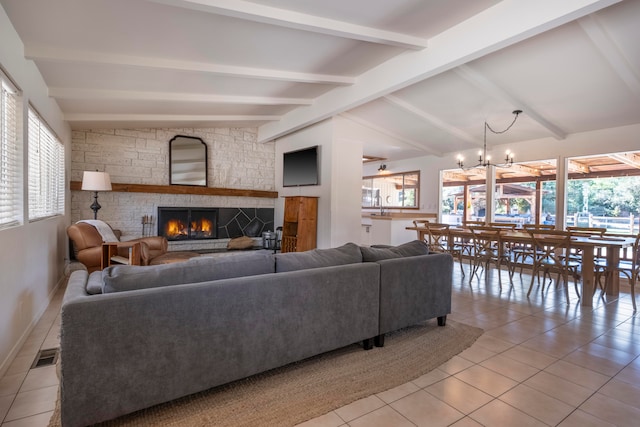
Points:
(299, 229)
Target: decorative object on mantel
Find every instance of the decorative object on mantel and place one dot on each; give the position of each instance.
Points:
(483, 159)
(188, 164)
(96, 181)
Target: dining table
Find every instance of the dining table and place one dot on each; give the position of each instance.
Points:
(586, 244)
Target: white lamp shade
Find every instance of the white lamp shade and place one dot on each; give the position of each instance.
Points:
(96, 181)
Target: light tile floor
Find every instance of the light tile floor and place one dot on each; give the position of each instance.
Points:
(541, 362)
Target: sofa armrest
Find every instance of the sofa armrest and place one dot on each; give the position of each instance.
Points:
(90, 257)
(151, 247)
(414, 289)
(155, 243)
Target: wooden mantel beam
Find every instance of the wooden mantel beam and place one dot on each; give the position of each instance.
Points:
(184, 189)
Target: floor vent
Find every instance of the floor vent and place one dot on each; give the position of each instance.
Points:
(46, 357)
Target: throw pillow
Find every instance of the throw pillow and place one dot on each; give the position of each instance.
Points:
(244, 242)
(414, 248)
(94, 283)
(201, 269)
(315, 258)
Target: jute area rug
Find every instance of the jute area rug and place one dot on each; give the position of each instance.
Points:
(304, 390)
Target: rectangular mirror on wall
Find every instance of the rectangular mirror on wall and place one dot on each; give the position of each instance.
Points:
(394, 190)
(187, 161)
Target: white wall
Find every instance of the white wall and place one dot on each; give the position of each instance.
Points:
(340, 182)
(32, 255)
(346, 192)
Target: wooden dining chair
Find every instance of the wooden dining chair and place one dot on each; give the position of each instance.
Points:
(473, 223)
(437, 238)
(538, 226)
(420, 223)
(552, 249)
(466, 243)
(489, 249)
(504, 225)
(522, 253)
(628, 266)
(587, 231)
(576, 253)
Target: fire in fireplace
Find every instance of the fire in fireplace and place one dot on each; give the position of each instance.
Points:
(187, 223)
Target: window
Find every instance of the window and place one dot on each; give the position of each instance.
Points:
(10, 156)
(46, 170)
(524, 193)
(398, 190)
(604, 191)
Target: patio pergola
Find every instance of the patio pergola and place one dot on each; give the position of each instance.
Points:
(505, 192)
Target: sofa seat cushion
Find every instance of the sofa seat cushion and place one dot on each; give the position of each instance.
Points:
(202, 269)
(413, 248)
(316, 258)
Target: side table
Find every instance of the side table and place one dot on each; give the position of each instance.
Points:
(110, 254)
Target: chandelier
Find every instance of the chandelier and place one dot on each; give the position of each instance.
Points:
(483, 159)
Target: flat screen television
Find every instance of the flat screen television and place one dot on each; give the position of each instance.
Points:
(300, 167)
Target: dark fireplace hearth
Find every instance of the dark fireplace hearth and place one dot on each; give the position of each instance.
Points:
(186, 223)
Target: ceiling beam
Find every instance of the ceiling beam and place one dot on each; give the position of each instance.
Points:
(630, 159)
(406, 141)
(480, 35)
(299, 21)
(524, 169)
(51, 54)
(450, 175)
(87, 117)
(130, 95)
(576, 167)
(611, 51)
(433, 120)
(492, 89)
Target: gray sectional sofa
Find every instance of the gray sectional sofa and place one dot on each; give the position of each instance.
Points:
(133, 337)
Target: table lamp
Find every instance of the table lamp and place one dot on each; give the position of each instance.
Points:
(96, 181)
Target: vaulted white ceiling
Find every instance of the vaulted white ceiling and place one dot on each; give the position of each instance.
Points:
(421, 75)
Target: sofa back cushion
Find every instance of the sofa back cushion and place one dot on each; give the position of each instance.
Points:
(413, 248)
(315, 258)
(201, 269)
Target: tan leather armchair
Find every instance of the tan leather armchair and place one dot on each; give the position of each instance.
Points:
(87, 246)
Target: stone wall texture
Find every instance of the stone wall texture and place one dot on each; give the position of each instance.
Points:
(141, 156)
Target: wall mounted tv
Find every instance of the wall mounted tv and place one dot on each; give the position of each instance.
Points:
(300, 167)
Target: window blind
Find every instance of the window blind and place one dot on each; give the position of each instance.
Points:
(46, 170)
(10, 156)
